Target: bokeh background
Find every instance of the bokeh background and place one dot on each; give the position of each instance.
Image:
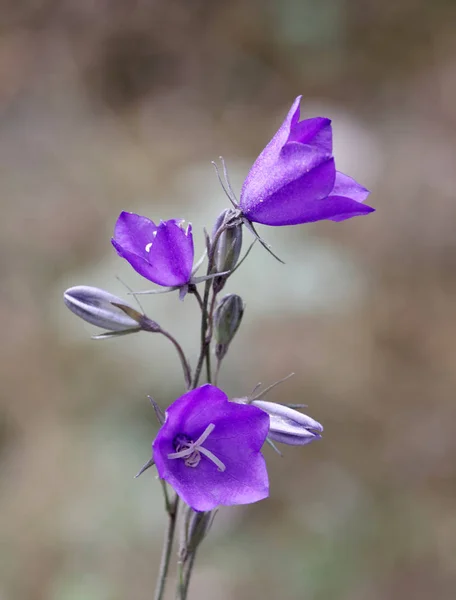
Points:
(122, 104)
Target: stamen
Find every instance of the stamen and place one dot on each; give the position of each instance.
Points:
(213, 458)
(203, 437)
(191, 451)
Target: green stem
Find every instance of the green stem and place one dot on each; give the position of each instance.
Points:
(172, 508)
(188, 573)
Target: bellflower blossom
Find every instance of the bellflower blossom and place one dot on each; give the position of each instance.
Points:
(161, 253)
(294, 180)
(209, 450)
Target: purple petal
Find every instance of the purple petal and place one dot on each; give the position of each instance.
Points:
(162, 254)
(346, 187)
(316, 132)
(296, 201)
(133, 232)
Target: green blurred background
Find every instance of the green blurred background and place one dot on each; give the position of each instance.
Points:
(122, 104)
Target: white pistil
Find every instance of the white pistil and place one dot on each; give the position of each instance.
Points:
(191, 451)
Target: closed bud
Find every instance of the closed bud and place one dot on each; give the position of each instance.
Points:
(199, 524)
(289, 426)
(102, 309)
(227, 245)
(227, 318)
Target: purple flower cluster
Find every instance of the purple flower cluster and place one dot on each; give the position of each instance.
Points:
(208, 447)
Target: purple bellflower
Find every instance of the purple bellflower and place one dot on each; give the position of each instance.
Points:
(161, 253)
(209, 450)
(294, 180)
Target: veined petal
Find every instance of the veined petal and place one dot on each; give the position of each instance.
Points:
(316, 132)
(297, 201)
(171, 253)
(133, 232)
(346, 187)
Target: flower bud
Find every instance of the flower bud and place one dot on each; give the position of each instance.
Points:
(199, 524)
(102, 309)
(289, 426)
(227, 318)
(228, 244)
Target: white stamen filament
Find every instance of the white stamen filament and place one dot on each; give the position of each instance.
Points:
(213, 458)
(192, 451)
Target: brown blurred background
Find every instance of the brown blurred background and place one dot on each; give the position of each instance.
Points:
(122, 104)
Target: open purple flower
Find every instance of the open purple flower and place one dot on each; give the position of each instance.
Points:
(161, 253)
(209, 450)
(294, 180)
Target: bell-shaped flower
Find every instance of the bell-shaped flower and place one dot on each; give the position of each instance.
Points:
(161, 253)
(294, 180)
(209, 450)
(289, 426)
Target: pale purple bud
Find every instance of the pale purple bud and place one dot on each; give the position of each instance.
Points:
(102, 309)
(289, 426)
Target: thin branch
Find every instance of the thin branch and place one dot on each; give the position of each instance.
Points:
(168, 543)
(183, 359)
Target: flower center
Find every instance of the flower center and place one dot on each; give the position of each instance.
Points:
(191, 451)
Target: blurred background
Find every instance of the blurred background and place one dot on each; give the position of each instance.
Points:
(122, 104)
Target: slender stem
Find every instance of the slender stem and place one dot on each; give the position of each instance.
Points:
(188, 573)
(183, 359)
(206, 316)
(172, 508)
(203, 302)
(217, 371)
(198, 298)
